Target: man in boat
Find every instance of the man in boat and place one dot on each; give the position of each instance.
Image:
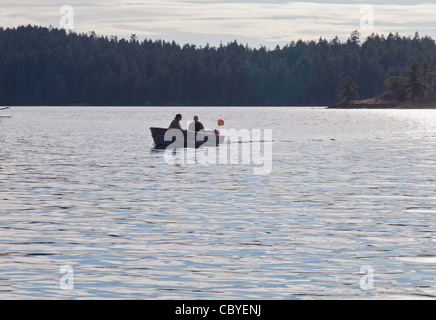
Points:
(175, 124)
(196, 125)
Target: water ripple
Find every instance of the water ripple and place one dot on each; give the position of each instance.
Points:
(349, 188)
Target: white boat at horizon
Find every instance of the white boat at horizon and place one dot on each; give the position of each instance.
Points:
(5, 112)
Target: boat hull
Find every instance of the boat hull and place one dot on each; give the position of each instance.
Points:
(5, 112)
(190, 139)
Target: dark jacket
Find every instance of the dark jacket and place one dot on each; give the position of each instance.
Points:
(198, 126)
(175, 124)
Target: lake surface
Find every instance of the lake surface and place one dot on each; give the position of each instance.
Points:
(347, 211)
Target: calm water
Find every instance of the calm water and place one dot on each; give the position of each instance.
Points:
(80, 187)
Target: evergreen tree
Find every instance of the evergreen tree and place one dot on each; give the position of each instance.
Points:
(415, 83)
(399, 86)
(1, 89)
(433, 81)
(47, 66)
(426, 77)
(347, 91)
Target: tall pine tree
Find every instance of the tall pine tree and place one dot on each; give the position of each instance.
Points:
(415, 84)
(348, 91)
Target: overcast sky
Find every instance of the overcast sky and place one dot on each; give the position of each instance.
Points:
(254, 22)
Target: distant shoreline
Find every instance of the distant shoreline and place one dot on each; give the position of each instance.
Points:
(376, 104)
(383, 106)
(352, 105)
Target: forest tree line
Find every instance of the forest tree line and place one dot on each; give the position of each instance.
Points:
(47, 66)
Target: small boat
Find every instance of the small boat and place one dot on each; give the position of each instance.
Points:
(5, 112)
(190, 138)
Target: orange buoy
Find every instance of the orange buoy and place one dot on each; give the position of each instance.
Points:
(220, 122)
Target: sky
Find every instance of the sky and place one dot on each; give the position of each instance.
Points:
(253, 22)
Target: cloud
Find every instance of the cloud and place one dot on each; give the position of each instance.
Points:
(258, 22)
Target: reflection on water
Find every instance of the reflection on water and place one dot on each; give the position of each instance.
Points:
(348, 188)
